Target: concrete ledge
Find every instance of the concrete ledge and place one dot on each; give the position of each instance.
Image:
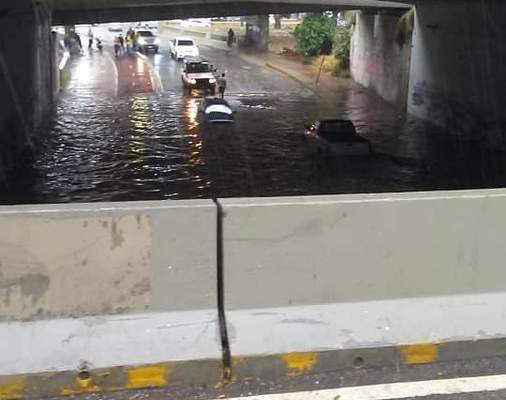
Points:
(111, 353)
(368, 325)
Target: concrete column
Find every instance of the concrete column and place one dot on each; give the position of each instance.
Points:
(26, 92)
(378, 60)
(457, 78)
(257, 32)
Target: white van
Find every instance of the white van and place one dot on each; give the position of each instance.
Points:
(182, 47)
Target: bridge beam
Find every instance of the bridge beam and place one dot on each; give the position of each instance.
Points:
(180, 11)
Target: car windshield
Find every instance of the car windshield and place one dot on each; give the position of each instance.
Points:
(195, 68)
(185, 42)
(145, 33)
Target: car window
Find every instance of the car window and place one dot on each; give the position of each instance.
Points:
(197, 68)
(185, 43)
(145, 33)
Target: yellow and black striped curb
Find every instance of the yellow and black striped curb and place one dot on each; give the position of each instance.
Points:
(211, 372)
(47, 384)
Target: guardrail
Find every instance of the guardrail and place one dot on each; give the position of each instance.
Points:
(119, 295)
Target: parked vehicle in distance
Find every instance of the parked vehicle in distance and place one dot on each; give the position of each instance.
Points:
(150, 25)
(182, 47)
(198, 74)
(115, 28)
(196, 22)
(337, 137)
(147, 41)
(216, 110)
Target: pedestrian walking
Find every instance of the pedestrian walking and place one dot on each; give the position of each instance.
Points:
(230, 37)
(122, 43)
(77, 40)
(117, 46)
(90, 39)
(222, 85)
(129, 44)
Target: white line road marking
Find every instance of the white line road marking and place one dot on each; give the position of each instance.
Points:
(116, 74)
(156, 81)
(395, 390)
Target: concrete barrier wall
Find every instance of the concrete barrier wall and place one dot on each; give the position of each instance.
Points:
(310, 283)
(107, 284)
(357, 271)
(76, 260)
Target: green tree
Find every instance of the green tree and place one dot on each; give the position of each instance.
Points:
(342, 47)
(312, 32)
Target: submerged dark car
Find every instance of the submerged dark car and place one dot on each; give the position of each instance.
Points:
(338, 137)
(217, 110)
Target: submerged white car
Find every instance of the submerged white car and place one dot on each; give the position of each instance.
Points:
(337, 137)
(216, 110)
(182, 47)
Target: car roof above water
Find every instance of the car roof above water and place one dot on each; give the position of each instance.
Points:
(336, 129)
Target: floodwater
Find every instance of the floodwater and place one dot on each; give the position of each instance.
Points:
(130, 141)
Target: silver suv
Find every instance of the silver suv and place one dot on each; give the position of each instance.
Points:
(146, 41)
(198, 74)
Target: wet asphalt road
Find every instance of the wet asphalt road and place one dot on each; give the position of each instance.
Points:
(126, 130)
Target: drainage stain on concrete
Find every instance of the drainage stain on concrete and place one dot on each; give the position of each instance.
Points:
(31, 285)
(116, 236)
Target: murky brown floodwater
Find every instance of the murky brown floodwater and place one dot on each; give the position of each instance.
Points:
(139, 146)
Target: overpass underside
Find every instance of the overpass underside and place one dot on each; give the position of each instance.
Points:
(126, 12)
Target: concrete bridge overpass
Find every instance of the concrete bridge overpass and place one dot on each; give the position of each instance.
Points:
(68, 11)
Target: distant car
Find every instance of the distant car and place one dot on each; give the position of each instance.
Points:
(182, 47)
(337, 137)
(198, 74)
(204, 23)
(148, 25)
(115, 28)
(216, 110)
(147, 41)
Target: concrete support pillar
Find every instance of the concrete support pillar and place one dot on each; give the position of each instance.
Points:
(257, 32)
(457, 78)
(26, 88)
(379, 61)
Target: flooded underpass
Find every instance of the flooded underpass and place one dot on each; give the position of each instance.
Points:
(117, 134)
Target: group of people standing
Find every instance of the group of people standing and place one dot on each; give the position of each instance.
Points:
(126, 44)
